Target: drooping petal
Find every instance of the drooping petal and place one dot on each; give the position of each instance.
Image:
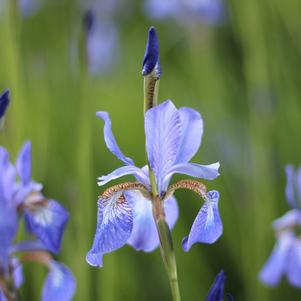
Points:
(4, 102)
(60, 284)
(216, 292)
(123, 171)
(8, 226)
(191, 137)
(47, 221)
(273, 269)
(23, 163)
(289, 189)
(207, 226)
(2, 296)
(293, 264)
(114, 227)
(288, 220)
(163, 134)
(208, 172)
(110, 139)
(144, 234)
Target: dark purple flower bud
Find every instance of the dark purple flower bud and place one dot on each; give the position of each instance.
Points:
(88, 20)
(151, 56)
(216, 292)
(4, 102)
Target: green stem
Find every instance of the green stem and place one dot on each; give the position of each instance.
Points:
(166, 244)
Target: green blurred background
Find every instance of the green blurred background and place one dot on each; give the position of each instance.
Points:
(244, 77)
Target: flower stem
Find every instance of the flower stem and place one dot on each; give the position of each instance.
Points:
(168, 256)
(166, 244)
(151, 86)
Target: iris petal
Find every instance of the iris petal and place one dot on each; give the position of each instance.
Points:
(288, 220)
(7, 179)
(293, 264)
(27, 245)
(298, 184)
(2, 296)
(123, 171)
(289, 189)
(17, 272)
(191, 137)
(273, 269)
(163, 134)
(110, 139)
(47, 221)
(144, 234)
(23, 163)
(59, 284)
(208, 172)
(114, 227)
(8, 213)
(207, 226)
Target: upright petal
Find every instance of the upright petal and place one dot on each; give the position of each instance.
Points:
(298, 185)
(47, 221)
(207, 226)
(8, 212)
(163, 134)
(276, 264)
(208, 172)
(144, 234)
(110, 139)
(293, 264)
(216, 292)
(23, 163)
(7, 178)
(123, 171)
(114, 227)
(290, 186)
(59, 284)
(191, 137)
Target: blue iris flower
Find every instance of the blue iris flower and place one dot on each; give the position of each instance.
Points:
(216, 292)
(45, 219)
(173, 137)
(286, 255)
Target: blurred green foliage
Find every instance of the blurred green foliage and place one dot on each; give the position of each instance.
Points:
(244, 77)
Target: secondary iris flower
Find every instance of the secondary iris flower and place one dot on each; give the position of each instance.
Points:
(286, 255)
(45, 219)
(173, 136)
